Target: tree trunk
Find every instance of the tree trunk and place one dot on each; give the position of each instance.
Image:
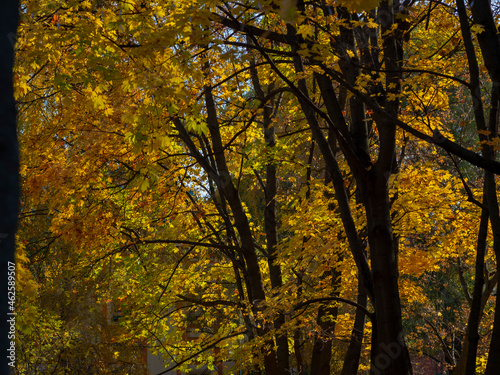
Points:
(392, 357)
(271, 227)
(491, 195)
(353, 354)
(489, 43)
(243, 227)
(472, 336)
(327, 316)
(271, 219)
(222, 178)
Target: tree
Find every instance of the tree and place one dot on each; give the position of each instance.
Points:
(252, 169)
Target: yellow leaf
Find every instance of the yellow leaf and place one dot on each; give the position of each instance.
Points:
(305, 30)
(477, 29)
(144, 185)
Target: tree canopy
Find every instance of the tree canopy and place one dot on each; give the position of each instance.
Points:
(276, 186)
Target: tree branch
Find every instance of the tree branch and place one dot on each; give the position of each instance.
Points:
(338, 299)
(210, 346)
(208, 303)
(252, 30)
